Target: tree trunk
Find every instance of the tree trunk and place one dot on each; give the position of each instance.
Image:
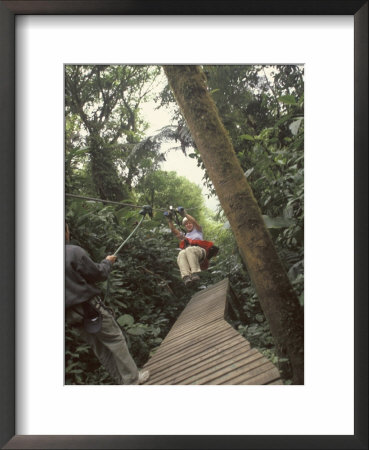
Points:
(276, 295)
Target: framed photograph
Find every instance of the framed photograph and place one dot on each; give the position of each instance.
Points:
(38, 40)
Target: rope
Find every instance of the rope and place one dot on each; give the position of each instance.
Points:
(115, 254)
(121, 245)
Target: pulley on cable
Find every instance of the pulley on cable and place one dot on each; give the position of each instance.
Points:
(176, 215)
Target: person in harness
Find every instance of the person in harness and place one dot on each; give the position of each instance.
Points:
(195, 251)
(85, 310)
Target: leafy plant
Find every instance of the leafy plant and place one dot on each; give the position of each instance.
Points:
(108, 156)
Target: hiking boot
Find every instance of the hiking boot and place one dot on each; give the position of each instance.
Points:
(195, 277)
(187, 280)
(143, 376)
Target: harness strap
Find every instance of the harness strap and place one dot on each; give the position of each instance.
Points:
(209, 247)
(88, 309)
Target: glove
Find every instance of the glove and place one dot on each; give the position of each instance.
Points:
(181, 211)
(168, 215)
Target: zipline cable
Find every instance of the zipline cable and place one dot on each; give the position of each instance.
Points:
(145, 210)
(107, 201)
(115, 203)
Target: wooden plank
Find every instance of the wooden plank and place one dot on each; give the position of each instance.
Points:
(202, 314)
(205, 303)
(261, 378)
(183, 357)
(212, 299)
(202, 348)
(193, 337)
(195, 360)
(202, 311)
(217, 324)
(255, 375)
(192, 326)
(213, 327)
(216, 328)
(220, 285)
(188, 351)
(173, 332)
(212, 291)
(195, 365)
(209, 367)
(222, 376)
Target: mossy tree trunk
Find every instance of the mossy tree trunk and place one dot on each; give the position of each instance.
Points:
(276, 295)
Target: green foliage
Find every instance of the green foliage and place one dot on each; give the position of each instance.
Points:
(262, 108)
(103, 116)
(163, 189)
(107, 156)
(145, 290)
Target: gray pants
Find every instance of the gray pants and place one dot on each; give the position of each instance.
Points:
(189, 260)
(109, 345)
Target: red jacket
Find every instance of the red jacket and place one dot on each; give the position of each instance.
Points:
(207, 245)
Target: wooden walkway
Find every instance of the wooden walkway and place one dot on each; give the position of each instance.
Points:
(202, 348)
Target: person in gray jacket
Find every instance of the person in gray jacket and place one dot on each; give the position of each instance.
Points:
(84, 306)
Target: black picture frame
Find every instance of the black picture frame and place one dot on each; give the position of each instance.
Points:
(8, 10)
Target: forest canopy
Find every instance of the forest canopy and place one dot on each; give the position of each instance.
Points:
(110, 156)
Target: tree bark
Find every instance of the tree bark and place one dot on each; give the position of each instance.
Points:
(276, 295)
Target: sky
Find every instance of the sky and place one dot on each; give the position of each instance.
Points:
(176, 161)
